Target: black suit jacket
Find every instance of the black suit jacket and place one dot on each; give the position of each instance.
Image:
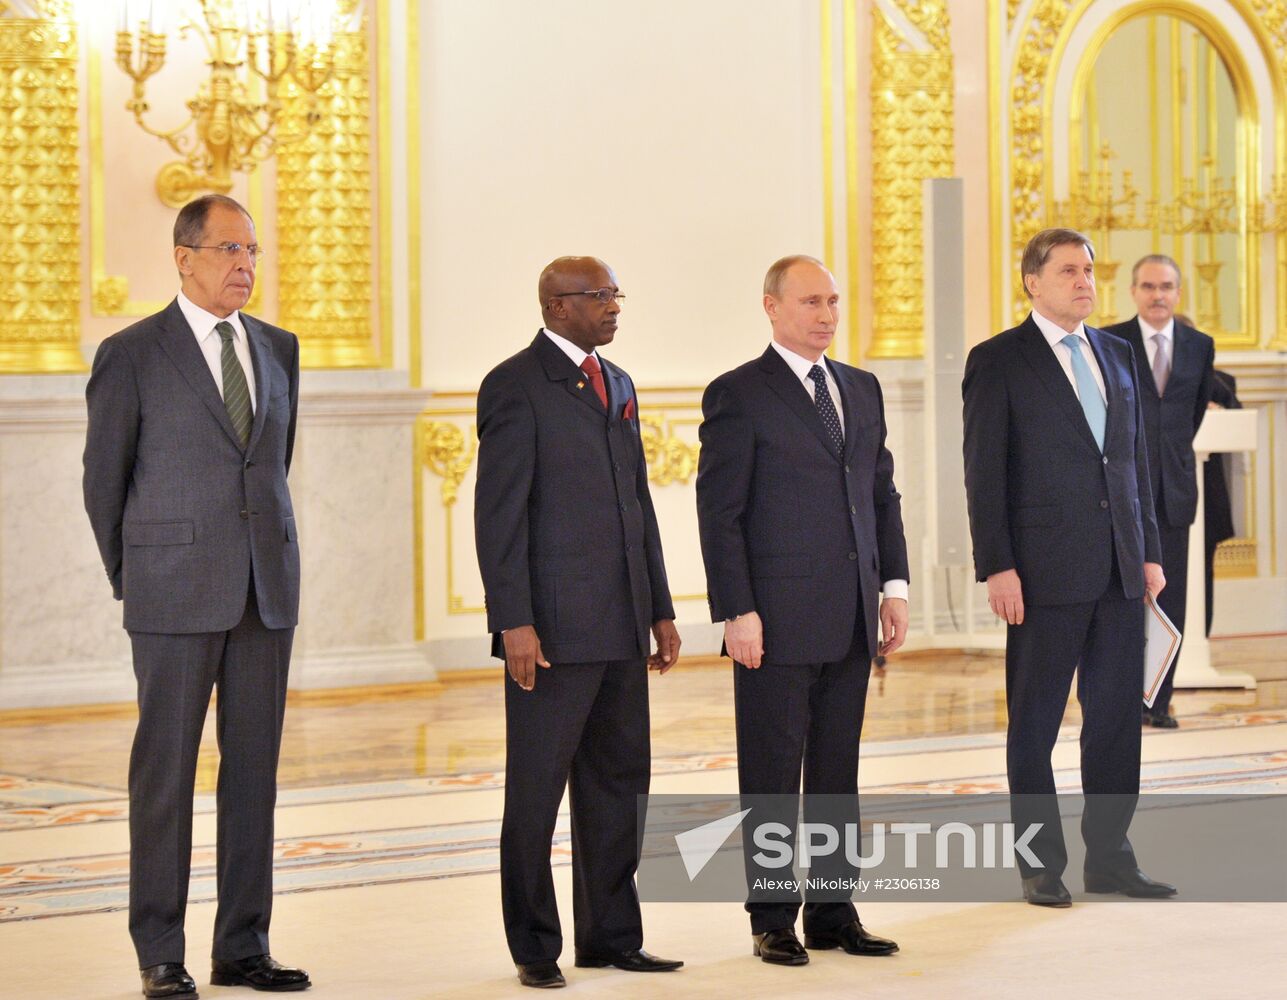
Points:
(1171, 421)
(790, 528)
(1042, 498)
(564, 525)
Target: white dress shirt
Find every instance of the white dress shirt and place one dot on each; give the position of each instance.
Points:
(211, 344)
(571, 350)
(801, 367)
(1054, 334)
(1167, 333)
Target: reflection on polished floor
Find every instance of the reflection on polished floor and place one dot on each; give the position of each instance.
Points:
(388, 817)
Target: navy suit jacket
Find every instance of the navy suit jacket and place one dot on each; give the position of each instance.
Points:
(1171, 420)
(182, 513)
(564, 525)
(790, 527)
(1042, 497)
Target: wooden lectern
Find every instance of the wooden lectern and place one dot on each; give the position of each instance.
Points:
(1221, 431)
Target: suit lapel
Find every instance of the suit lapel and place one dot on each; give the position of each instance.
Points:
(258, 361)
(180, 345)
(782, 381)
(1043, 361)
(849, 403)
(616, 386)
(1136, 338)
(559, 368)
(1112, 374)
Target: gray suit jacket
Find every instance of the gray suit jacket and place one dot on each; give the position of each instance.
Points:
(181, 512)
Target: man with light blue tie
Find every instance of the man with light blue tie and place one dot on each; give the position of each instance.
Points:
(1061, 514)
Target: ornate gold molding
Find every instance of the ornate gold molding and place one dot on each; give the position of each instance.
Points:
(443, 451)
(40, 193)
(441, 448)
(669, 459)
(324, 217)
(912, 139)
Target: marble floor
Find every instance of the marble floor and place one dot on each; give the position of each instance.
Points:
(388, 815)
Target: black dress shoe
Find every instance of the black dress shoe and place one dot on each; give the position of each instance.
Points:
(169, 979)
(1161, 720)
(853, 938)
(1046, 890)
(780, 947)
(631, 961)
(259, 972)
(541, 975)
(1131, 882)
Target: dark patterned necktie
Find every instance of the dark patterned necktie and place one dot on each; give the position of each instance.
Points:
(826, 408)
(236, 394)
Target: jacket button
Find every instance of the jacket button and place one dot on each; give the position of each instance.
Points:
(846, 468)
(853, 509)
(622, 505)
(1105, 459)
(249, 464)
(853, 556)
(244, 515)
(1103, 505)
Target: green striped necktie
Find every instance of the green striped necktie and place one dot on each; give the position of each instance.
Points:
(236, 394)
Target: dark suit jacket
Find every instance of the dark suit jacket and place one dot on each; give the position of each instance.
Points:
(1218, 505)
(1042, 498)
(181, 512)
(790, 528)
(564, 524)
(1170, 421)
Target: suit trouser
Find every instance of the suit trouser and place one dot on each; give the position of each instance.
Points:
(789, 715)
(584, 726)
(1172, 600)
(175, 676)
(1103, 641)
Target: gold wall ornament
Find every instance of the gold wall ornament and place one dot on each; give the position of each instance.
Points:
(443, 452)
(40, 192)
(440, 447)
(324, 214)
(229, 131)
(669, 459)
(912, 139)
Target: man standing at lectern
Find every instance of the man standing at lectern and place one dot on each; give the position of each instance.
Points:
(1061, 515)
(1175, 364)
(191, 428)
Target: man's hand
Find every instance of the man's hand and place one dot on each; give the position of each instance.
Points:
(522, 654)
(1005, 596)
(1154, 579)
(893, 624)
(744, 639)
(667, 636)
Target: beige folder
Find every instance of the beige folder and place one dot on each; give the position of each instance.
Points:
(1161, 643)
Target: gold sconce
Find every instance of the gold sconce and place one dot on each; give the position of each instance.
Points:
(250, 45)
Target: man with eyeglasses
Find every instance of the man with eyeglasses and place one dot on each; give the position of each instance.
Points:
(191, 428)
(572, 568)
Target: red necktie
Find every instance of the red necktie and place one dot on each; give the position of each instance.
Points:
(591, 368)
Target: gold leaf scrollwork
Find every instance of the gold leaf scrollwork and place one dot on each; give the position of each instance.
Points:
(444, 452)
(324, 218)
(40, 194)
(669, 459)
(912, 139)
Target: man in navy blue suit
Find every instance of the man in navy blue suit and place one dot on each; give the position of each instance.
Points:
(1061, 514)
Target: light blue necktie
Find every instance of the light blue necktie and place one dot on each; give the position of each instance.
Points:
(1092, 403)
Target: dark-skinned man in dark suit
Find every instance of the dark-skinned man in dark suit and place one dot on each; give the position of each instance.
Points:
(1175, 364)
(572, 568)
(1061, 514)
(801, 530)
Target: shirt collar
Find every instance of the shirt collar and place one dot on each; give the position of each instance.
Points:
(570, 349)
(203, 322)
(801, 366)
(1167, 332)
(1054, 333)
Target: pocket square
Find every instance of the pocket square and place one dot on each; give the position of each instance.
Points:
(628, 411)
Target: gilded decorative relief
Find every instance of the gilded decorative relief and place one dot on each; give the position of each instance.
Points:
(669, 459)
(443, 451)
(324, 221)
(39, 192)
(912, 139)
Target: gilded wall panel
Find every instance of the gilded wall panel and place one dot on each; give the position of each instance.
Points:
(39, 194)
(912, 139)
(324, 216)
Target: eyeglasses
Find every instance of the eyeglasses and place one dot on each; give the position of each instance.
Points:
(233, 250)
(602, 294)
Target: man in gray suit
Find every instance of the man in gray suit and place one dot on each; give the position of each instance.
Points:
(191, 427)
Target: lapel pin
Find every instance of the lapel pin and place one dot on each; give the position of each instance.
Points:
(580, 385)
